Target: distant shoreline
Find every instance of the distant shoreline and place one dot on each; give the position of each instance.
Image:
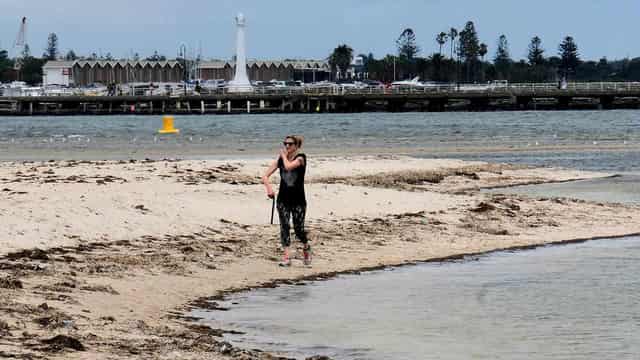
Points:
(30, 154)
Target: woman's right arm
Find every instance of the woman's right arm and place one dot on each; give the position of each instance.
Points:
(265, 178)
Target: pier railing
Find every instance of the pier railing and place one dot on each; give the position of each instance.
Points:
(515, 89)
(511, 89)
(334, 97)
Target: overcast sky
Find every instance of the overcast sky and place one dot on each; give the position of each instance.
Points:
(279, 29)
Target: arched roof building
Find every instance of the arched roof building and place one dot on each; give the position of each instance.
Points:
(86, 72)
(304, 70)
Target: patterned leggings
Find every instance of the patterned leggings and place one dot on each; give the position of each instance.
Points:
(296, 212)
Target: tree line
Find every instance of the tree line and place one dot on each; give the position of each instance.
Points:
(463, 58)
(28, 68)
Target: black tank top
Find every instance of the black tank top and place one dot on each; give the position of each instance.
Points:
(292, 183)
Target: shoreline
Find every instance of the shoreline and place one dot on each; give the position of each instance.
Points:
(541, 182)
(210, 153)
(223, 294)
(29, 156)
(174, 233)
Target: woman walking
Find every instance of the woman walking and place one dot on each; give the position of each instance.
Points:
(291, 199)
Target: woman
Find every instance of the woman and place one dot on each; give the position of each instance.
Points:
(291, 200)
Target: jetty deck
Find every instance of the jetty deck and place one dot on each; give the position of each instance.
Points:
(341, 99)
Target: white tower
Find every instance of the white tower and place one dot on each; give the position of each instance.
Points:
(240, 82)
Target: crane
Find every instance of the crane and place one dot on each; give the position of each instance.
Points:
(20, 42)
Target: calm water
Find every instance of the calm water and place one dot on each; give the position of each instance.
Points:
(609, 160)
(562, 302)
(535, 136)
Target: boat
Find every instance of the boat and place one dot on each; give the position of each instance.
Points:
(413, 83)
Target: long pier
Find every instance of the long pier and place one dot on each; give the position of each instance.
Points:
(342, 99)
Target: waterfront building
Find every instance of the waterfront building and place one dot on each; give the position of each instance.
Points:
(287, 70)
(356, 69)
(57, 73)
(85, 72)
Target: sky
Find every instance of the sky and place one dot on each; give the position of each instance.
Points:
(279, 29)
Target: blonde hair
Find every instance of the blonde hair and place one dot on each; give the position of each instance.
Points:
(298, 139)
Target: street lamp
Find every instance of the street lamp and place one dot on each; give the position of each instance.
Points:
(394, 69)
(183, 55)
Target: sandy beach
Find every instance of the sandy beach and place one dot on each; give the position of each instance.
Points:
(104, 259)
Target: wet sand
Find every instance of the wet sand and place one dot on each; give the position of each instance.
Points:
(103, 259)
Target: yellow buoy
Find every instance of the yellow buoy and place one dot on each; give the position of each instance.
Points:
(167, 126)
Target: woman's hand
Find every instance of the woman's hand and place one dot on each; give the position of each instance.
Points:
(265, 178)
(283, 154)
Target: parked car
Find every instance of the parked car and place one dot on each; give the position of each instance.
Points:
(498, 84)
(276, 84)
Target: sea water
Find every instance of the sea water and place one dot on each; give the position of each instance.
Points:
(559, 302)
(541, 138)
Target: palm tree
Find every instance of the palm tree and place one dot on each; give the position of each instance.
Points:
(453, 34)
(441, 39)
(341, 58)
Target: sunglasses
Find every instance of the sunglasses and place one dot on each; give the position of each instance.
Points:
(286, 143)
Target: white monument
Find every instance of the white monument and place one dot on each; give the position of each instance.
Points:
(240, 82)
